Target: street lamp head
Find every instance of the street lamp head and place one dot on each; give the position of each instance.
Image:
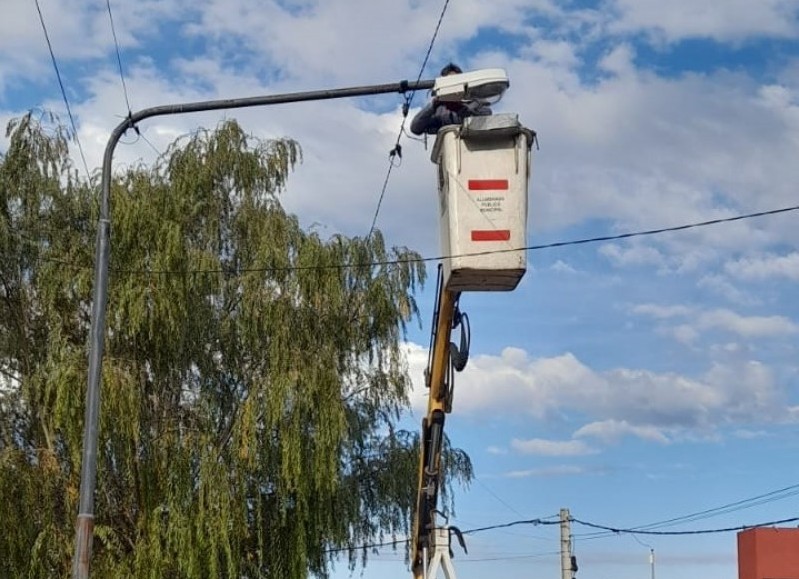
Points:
(485, 84)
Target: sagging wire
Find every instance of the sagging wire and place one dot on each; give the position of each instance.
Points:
(396, 151)
(131, 125)
(394, 262)
(63, 91)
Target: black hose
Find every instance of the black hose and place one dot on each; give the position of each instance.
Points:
(459, 355)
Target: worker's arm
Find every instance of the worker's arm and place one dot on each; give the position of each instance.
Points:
(432, 116)
(425, 120)
(476, 109)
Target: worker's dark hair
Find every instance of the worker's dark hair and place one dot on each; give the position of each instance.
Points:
(450, 68)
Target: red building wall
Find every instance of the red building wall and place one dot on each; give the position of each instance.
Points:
(768, 553)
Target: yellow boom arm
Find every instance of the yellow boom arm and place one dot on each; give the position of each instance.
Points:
(439, 404)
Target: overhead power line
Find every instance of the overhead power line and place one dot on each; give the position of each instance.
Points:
(119, 56)
(663, 229)
(743, 504)
(763, 499)
(479, 559)
(396, 152)
(393, 543)
(389, 262)
(139, 134)
(399, 542)
(497, 497)
(63, 92)
(540, 247)
(535, 522)
(547, 521)
(146, 140)
(507, 557)
(616, 530)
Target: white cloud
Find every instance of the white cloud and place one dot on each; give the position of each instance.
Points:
(627, 150)
(541, 447)
(729, 348)
(496, 450)
(550, 471)
(699, 322)
(765, 267)
(623, 148)
(610, 431)
(747, 434)
(561, 266)
(685, 334)
(612, 148)
(636, 255)
(78, 30)
(389, 35)
(719, 285)
(558, 53)
(661, 312)
(616, 402)
(724, 21)
(746, 326)
(619, 60)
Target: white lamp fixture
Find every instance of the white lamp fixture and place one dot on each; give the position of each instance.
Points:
(485, 84)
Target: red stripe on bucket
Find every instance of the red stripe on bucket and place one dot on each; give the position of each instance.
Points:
(488, 184)
(490, 234)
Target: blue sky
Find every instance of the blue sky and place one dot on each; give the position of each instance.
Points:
(629, 381)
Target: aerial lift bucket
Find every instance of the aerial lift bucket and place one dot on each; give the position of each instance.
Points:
(483, 171)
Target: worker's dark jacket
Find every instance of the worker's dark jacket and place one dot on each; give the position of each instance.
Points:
(436, 115)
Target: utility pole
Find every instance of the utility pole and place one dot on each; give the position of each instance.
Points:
(651, 554)
(652, 561)
(565, 545)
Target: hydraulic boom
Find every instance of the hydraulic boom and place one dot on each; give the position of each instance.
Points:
(430, 544)
(483, 171)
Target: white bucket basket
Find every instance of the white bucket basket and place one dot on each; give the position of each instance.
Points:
(483, 172)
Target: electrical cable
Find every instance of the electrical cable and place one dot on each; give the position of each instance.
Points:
(124, 83)
(640, 542)
(546, 521)
(397, 150)
(618, 531)
(556, 244)
(497, 497)
(396, 542)
(743, 504)
(146, 140)
(508, 557)
(393, 543)
(391, 262)
(119, 57)
(63, 91)
(721, 511)
(511, 524)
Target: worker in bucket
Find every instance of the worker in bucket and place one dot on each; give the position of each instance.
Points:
(437, 114)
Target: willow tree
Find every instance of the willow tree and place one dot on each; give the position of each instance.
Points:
(253, 377)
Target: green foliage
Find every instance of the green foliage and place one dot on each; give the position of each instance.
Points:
(251, 385)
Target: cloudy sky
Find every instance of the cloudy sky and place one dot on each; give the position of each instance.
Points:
(631, 381)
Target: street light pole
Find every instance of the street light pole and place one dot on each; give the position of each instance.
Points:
(88, 474)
